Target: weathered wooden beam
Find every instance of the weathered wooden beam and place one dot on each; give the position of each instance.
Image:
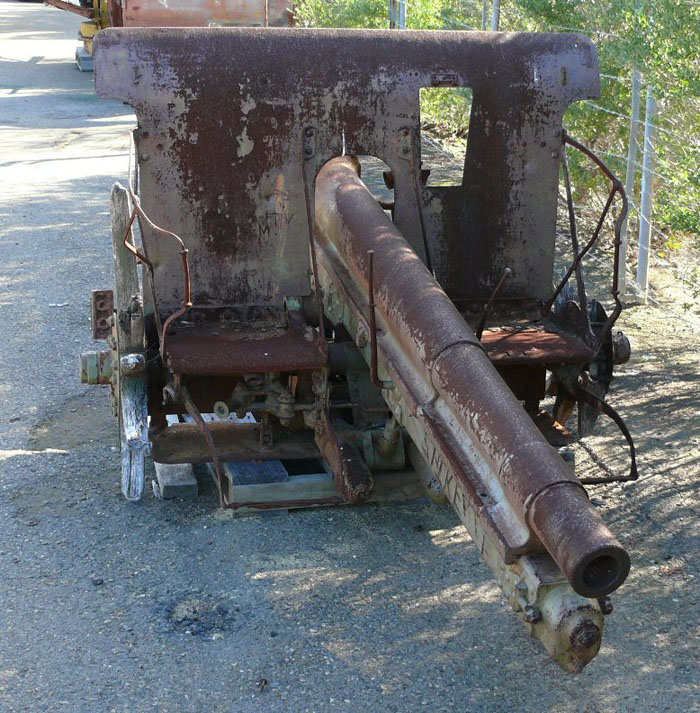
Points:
(131, 373)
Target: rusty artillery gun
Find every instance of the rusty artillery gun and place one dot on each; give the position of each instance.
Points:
(409, 337)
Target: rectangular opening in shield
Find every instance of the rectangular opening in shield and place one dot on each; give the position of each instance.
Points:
(444, 123)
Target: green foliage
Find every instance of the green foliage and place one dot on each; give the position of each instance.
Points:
(446, 111)
(659, 38)
(371, 14)
(426, 15)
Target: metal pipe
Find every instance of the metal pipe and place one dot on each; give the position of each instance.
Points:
(397, 14)
(629, 178)
(479, 331)
(500, 441)
(647, 195)
(573, 233)
(495, 15)
(187, 301)
(71, 7)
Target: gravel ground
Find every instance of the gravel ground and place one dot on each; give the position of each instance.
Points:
(177, 606)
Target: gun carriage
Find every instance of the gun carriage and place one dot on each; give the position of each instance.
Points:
(414, 335)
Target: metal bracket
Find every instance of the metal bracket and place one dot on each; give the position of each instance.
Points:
(404, 142)
(351, 473)
(102, 308)
(373, 369)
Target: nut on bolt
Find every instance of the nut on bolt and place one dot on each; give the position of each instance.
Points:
(585, 634)
(221, 410)
(361, 338)
(622, 351)
(132, 364)
(531, 614)
(606, 605)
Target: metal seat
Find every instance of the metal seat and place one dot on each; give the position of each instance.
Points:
(206, 351)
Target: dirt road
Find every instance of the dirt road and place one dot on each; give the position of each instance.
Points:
(175, 606)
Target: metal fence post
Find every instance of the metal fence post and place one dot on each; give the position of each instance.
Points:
(629, 179)
(397, 14)
(495, 15)
(485, 15)
(646, 203)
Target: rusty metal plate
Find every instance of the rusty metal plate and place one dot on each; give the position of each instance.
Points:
(226, 115)
(206, 13)
(200, 351)
(102, 309)
(535, 345)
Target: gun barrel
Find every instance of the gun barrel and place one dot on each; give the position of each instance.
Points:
(414, 312)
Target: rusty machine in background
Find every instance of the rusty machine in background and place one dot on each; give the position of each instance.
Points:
(284, 315)
(100, 14)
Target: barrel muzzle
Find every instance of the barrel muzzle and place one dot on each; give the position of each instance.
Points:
(588, 554)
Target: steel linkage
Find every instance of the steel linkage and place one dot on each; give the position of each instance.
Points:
(573, 384)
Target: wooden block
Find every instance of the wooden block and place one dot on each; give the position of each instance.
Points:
(249, 472)
(83, 60)
(396, 486)
(176, 480)
(299, 491)
(312, 489)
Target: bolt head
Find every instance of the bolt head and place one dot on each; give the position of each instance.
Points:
(585, 635)
(221, 410)
(606, 605)
(531, 614)
(361, 339)
(132, 364)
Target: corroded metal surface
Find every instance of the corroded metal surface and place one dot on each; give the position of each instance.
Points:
(220, 160)
(502, 438)
(206, 13)
(72, 7)
(205, 351)
(236, 167)
(535, 345)
(102, 307)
